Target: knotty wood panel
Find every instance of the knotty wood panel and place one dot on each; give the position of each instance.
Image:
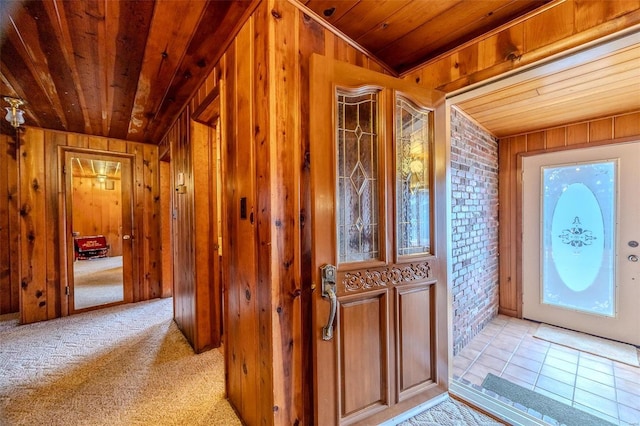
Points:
(362, 324)
(415, 350)
(97, 211)
(9, 227)
(579, 135)
(267, 265)
(34, 223)
(33, 247)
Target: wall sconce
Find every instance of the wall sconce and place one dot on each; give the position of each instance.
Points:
(15, 116)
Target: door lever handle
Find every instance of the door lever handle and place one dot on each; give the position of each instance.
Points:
(329, 291)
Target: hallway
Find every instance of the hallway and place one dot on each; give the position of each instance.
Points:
(506, 348)
(125, 365)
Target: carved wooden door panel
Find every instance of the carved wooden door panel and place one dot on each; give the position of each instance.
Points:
(374, 248)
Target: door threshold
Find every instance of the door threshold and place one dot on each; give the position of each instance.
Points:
(496, 408)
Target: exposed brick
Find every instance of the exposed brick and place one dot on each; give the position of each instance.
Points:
(474, 221)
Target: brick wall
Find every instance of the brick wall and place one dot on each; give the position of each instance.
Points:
(474, 222)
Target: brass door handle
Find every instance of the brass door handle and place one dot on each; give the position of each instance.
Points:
(329, 291)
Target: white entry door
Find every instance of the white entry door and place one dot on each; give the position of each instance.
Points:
(581, 237)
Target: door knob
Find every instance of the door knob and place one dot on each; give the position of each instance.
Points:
(632, 258)
(127, 237)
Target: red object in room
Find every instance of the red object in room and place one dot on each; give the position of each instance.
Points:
(90, 246)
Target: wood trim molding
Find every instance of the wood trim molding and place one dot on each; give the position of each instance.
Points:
(478, 39)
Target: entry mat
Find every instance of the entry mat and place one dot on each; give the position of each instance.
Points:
(562, 413)
(616, 351)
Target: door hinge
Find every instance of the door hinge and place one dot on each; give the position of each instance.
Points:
(66, 290)
(64, 169)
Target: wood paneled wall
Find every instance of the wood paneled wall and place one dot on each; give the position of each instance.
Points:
(37, 271)
(97, 211)
(597, 132)
(262, 80)
(9, 227)
(562, 25)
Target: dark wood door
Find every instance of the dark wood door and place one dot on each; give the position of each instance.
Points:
(377, 266)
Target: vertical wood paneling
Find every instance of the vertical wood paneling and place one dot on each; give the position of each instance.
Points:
(5, 284)
(231, 215)
(138, 218)
(9, 226)
(263, 200)
(151, 223)
(33, 233)
(311, 40)
(285, 207)
(247, 166)
(602, 131)
(556, 138)
(54, 273)
(577, 134)
(37, 270)
(536, 141)
(627, 125)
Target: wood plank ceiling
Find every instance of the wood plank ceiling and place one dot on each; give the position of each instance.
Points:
(597, 82)
(125, 69)
(122, 69)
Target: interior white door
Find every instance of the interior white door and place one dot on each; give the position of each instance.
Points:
(581, 236)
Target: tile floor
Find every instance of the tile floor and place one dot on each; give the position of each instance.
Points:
(507, 348)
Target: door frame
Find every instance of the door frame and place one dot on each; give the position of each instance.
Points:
(66, 239)
(324, 401)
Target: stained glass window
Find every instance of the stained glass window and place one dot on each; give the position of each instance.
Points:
(578, 237)
(412, 178)
(357, 168)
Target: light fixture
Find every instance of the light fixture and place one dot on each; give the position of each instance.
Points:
(15, 116)
(101, 178)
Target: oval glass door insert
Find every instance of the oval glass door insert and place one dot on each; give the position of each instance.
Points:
(578, 237)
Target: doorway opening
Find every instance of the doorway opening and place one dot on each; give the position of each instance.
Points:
(98, 229)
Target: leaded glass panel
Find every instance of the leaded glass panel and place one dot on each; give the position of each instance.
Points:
(357, 168)
(412, 179)
(578, 237)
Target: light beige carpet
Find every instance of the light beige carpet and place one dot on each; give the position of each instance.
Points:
(97, 281)
(125, 365)
(616, 351)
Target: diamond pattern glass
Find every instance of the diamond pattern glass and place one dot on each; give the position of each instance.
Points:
(357, 168)
(413, 136)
